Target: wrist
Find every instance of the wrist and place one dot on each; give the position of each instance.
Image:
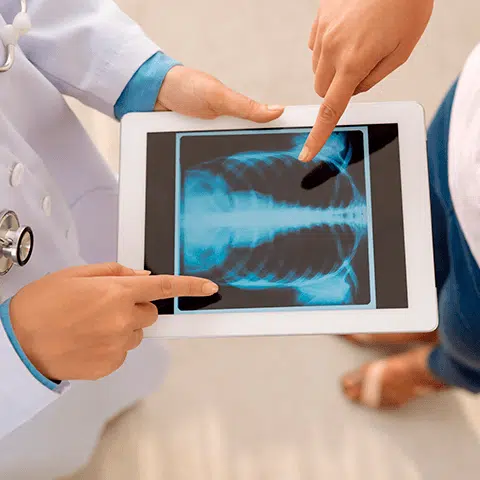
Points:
(5, 317)
(171, 82)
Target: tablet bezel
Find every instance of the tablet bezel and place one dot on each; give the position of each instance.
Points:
(420, 316)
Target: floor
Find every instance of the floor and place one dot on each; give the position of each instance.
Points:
(270, 409)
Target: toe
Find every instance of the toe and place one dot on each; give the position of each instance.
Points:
(352, 385)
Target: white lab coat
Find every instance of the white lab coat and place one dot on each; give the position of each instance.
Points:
(67, 194)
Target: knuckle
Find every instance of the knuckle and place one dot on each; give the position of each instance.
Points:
(136, 340)
(327, 113)
(328, 43)
(149, 314)
(329, 40)
(114, 268)
(152, 312)
(221, 101)
(349, 66)
(117, 269)
(313, 139)
(250, 107)
(100, 371)
(117, 362)
(166, 286)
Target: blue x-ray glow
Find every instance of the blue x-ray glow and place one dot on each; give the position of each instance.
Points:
(223, 219)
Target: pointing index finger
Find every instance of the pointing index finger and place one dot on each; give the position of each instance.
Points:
(336, 101)
(159, 287)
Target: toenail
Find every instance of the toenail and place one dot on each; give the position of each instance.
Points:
(352, 379)
(362, 337)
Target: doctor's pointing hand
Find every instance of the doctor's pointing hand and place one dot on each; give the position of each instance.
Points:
(68, 313)
(86, 319)
(80, 323)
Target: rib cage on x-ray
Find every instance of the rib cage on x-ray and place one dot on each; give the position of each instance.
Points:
(233, 226)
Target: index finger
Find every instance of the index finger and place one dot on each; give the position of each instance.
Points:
(159, 287)
(336, 101)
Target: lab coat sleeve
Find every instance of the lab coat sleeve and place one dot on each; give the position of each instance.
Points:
(22, 395)
(141, 92)
(88, 49)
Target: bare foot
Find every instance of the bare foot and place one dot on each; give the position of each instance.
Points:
(372, 339)
(393, 382)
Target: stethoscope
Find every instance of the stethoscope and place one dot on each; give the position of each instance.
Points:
(10, 33)
(16, 241)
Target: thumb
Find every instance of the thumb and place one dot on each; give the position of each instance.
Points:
(235, 104)
(112, 269)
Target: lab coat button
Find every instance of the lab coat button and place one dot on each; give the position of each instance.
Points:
(16, 176)
(47, 206)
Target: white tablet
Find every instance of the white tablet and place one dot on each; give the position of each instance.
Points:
(339, 245)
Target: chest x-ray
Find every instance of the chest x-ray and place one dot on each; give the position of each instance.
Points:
(272, 232)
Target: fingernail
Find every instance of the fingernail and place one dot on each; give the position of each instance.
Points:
(143, 272)
(303, 157)
(210, 288)
(275, 108)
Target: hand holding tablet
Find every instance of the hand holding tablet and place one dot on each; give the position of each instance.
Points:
(198, 94)
(339, 245)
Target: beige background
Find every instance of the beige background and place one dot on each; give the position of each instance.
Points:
(271, 409)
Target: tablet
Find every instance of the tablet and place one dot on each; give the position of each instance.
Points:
(339, 245)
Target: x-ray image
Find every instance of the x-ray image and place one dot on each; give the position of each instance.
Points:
(272, 232)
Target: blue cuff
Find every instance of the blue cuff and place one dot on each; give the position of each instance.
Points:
(7, 325)
(141, 92)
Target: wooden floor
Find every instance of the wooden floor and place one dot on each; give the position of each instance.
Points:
(270, 409)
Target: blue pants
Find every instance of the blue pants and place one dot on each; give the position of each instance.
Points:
(456, 361)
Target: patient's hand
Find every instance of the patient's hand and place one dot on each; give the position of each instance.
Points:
(198, 94)
(355, 44)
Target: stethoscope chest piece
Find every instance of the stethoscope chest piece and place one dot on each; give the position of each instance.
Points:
(16, 242)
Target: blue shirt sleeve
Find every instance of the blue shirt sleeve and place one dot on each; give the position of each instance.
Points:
(141, 92)
(7, 325)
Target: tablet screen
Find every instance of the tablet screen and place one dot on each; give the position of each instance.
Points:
(237, 207)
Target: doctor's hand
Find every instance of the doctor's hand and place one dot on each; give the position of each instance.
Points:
(80, 323)
(197, 94)
(355, 44)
